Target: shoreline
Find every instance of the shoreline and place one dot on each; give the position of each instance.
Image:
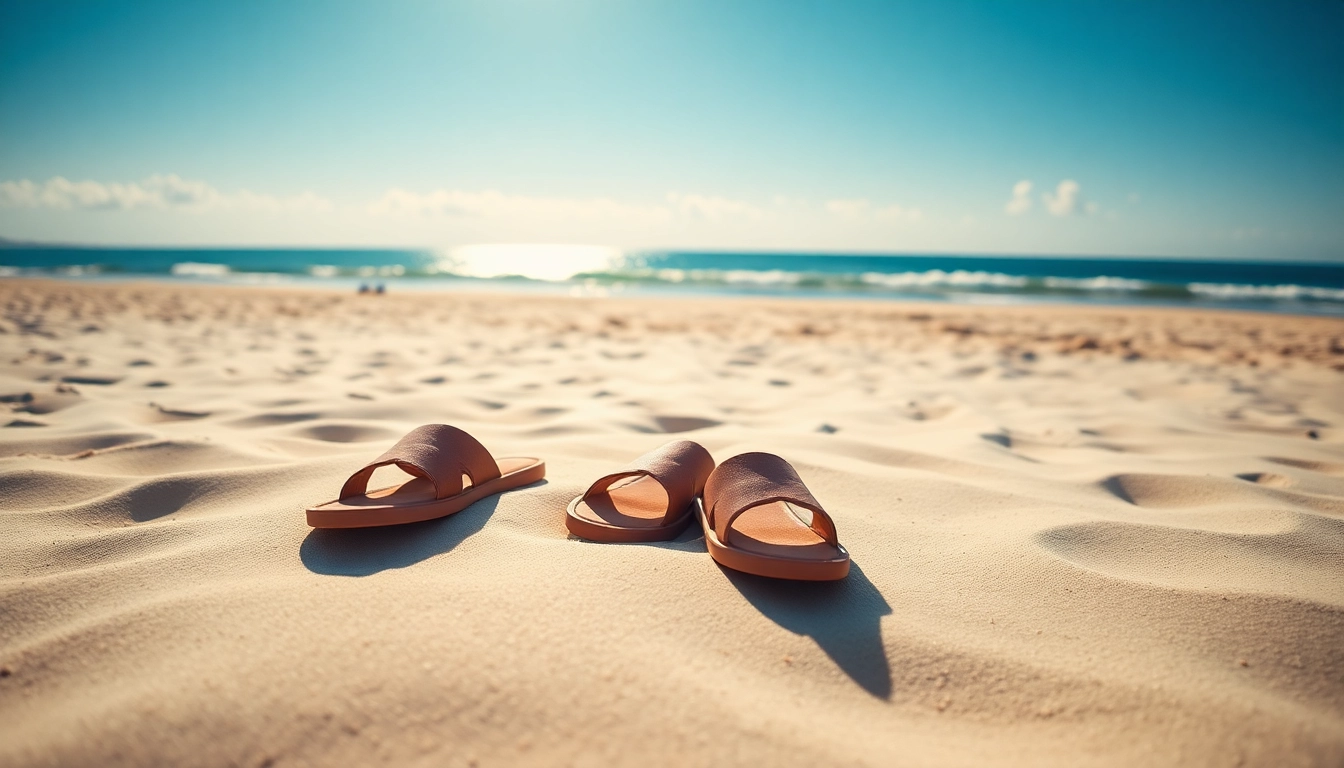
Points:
(1242, 336)
(635, 287)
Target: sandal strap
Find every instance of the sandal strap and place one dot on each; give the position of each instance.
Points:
(752, 479)
(681, 467)
(439, 453)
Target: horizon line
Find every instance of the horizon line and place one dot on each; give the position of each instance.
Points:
(12, 244)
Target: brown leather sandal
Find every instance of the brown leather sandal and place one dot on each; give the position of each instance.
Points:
(752, 523)
(450, 469)
(652, 498)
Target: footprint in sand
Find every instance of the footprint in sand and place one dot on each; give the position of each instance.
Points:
(161, 413)
(273, 419)
(1173, 491)
(60, 398)
(38, 489)
(1194, 492)
(148, 500)
(1323, 467)
(287, 402)
(683, 423)
(1269, 479)
(1302, 562)
(97, 381)
(927, 411)
(345, 433)
(77, 447)
(997, 439)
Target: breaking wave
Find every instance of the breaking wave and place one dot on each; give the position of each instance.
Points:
(1288, 292)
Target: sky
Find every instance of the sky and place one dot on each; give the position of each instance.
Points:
(1124, 128)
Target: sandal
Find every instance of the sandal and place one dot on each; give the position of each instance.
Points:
(652, 498)
(451, 471)
(752, 522)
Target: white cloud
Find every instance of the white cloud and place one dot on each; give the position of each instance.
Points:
(859, 208)
(304, 202)
(1020, 202)
(172, 190)
(492, 204)
(1065, 200)
(894, 211)
(156, 192)
(848, 209)
(495, 204)
(170, 208)
(713, 208)
(60, 192)
(676, 206)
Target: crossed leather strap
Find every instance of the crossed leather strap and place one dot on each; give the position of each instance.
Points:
(680, 467)
(439, 453)
(752, 479)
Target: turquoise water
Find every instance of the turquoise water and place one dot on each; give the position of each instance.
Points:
(1314, 288)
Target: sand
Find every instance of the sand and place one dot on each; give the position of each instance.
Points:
(1080, 536)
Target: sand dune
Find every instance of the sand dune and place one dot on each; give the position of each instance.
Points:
(1080, 537)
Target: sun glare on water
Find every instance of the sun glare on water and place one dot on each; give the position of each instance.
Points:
(530, 260)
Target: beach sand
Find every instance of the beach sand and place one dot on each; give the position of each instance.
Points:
(1081, 536)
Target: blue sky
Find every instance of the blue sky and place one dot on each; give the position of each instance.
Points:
(1199, 129)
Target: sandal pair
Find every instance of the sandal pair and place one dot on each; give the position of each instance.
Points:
(757, 515)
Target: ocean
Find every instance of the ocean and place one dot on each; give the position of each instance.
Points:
(1273, 286)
